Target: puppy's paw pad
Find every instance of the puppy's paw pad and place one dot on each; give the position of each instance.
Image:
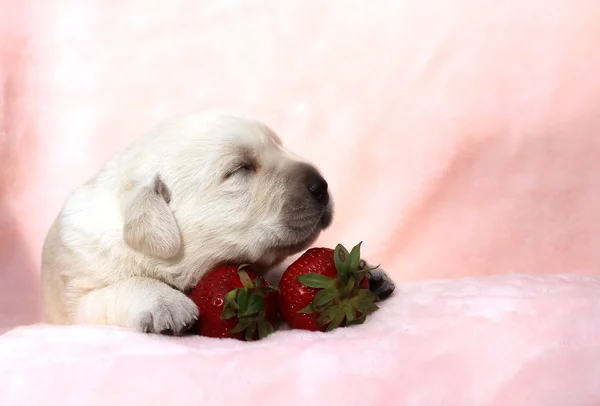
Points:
(381, 284)
(171, 315)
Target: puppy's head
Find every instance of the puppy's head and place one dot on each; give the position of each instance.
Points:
(222, 185)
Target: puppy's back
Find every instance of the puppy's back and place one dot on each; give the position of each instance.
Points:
(87, 224)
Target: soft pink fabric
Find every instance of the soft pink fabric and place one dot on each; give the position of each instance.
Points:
(460, 137)
(500, 340)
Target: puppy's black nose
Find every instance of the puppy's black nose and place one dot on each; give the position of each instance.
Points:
(317, 186)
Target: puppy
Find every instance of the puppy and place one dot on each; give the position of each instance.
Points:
(197, 192)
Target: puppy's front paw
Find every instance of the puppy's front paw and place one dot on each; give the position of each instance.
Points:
(169, 314)
(379, 282)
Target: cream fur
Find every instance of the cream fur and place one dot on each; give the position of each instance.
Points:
(196, 192)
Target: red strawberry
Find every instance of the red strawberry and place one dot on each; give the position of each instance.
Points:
(235, 302)
(325, 289)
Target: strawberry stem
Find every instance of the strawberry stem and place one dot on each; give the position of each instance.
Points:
(340, 299)
(248, 305)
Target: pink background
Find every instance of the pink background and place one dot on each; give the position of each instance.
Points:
(460, 137)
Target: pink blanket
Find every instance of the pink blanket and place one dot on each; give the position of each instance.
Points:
(459, 137)
(504, 340)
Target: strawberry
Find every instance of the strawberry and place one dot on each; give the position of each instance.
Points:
(325, 289)
(235, 302)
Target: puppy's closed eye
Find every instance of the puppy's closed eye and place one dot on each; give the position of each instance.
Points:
(241, 168)
(246, 166)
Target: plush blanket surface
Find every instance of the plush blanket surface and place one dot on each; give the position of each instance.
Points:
(501, 340)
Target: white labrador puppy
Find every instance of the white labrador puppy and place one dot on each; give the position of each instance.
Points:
(196, 192)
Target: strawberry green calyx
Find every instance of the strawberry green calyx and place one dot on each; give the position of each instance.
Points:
(248, 305)
(340, 300)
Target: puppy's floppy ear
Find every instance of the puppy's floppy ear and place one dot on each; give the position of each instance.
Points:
(150, 226)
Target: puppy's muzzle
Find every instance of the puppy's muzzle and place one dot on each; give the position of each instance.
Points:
(316, 185)
(308, 207)
(318, 192)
